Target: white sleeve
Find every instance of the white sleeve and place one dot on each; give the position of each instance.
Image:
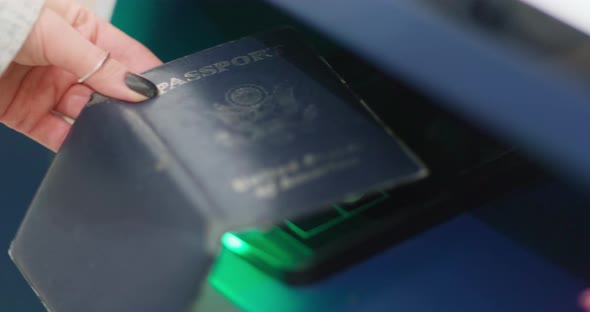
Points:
(17, 18)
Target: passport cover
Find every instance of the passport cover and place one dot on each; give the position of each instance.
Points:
(243, 134)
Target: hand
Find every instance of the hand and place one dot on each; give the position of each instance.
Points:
(68, 41)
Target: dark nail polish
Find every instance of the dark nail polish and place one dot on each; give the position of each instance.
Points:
(141, 85)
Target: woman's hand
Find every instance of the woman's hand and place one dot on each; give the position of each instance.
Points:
(67, 42)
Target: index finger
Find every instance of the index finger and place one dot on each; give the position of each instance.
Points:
(103, 34)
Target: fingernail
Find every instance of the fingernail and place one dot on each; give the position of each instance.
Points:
(141, 85)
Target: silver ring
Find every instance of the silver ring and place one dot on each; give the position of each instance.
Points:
(96, 68)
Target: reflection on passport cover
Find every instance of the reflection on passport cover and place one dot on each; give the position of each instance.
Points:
(246, 133)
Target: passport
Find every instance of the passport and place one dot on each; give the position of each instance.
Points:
(247, 133)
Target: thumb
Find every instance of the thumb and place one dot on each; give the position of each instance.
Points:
(53, 41)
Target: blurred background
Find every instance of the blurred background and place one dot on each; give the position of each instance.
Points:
(23, 164)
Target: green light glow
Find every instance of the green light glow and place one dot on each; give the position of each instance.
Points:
(306, 234)
(276, 250)
(272, 248)
(251, 289)
(231, 241)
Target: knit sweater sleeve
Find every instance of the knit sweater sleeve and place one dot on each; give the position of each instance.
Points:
(17, 18)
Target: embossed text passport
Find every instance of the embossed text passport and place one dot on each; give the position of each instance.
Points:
(243, 134)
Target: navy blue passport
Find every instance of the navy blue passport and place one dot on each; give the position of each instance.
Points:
(243, 134)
